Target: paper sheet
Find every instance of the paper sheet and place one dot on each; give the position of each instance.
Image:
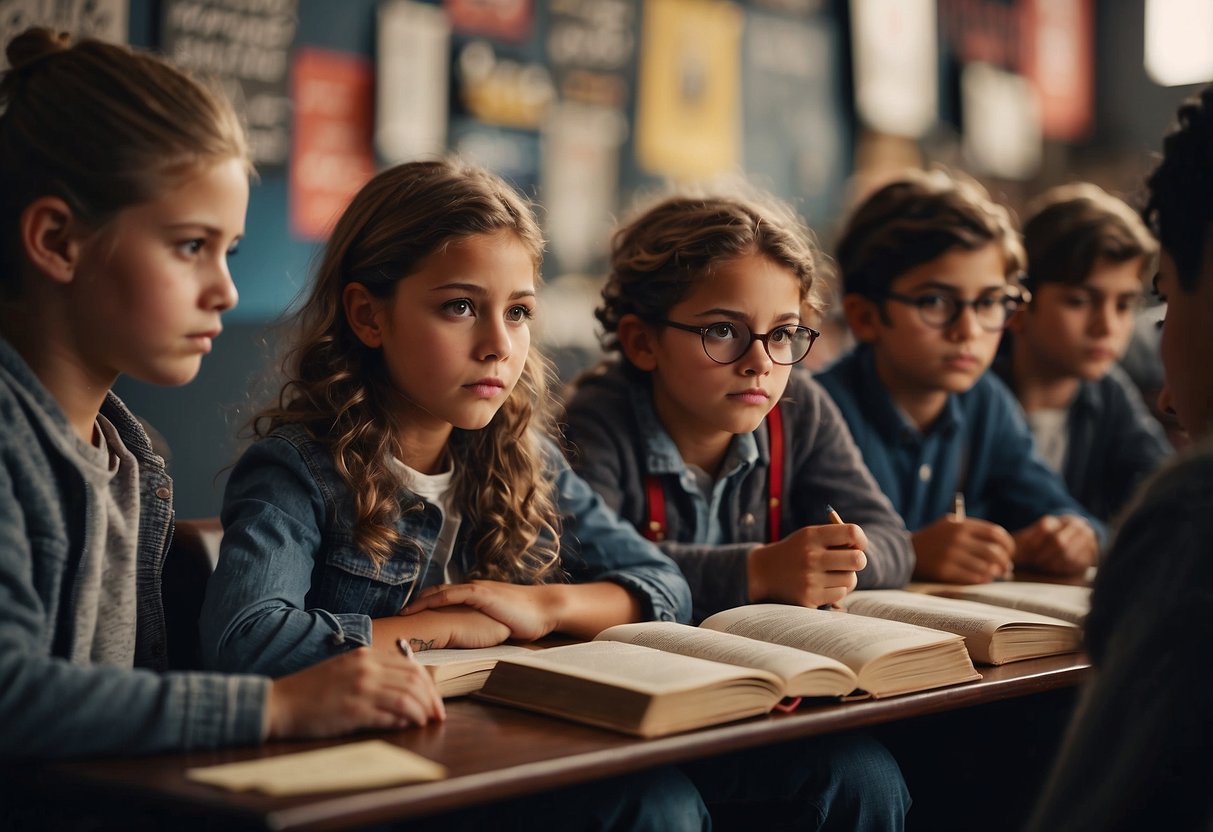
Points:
(359, 765)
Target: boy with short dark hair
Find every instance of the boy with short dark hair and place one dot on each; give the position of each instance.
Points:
(929, 265)
(1088, 253)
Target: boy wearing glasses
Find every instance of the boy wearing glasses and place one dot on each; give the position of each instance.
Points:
(1088, 254)
(928, 264)
(703, 437)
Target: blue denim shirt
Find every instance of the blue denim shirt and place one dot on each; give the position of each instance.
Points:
(50, 707)
(1114, 442)
(980, 444)
(291, 587)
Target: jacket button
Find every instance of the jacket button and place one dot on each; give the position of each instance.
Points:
(164, 492)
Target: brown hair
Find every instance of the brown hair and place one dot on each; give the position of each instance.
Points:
(101, 126)
(339, 390)
(1072, 227)
(665, 249)
(915, 219)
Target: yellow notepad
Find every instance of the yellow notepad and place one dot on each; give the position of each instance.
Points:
(359, 765)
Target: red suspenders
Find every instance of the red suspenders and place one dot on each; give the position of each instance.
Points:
(654, 526)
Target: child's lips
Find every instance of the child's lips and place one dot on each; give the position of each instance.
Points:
(754, 395)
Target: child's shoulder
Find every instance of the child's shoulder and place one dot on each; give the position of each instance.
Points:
(605, 388)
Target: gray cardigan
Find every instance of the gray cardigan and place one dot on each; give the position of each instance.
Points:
(50, 707)
(616, 441)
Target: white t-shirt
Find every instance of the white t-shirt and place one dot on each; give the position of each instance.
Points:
(1052, 438)
(436, 490)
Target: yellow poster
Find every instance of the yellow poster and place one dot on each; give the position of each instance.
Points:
(688, 119)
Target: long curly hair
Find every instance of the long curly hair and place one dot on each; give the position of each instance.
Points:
(339, 390)
(668, 247)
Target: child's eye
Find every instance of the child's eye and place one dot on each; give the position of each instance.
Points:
(1076, 301)
(234, 250)
(460, 308)
(987, 302)
(191, 247)
(931, 303)
(518, 314)
(720, 331)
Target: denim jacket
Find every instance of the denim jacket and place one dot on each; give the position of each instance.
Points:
(1115, 443)
(292, 588)
(980, 444)
(50, 707)
(618, 441)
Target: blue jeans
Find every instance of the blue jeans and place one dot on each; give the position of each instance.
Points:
(837, 782)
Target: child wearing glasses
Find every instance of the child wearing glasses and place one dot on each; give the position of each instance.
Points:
(1087, 254)
(701, 435)
(928, 265)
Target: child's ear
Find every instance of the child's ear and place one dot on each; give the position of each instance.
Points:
(362, 312)
(638, 341)
(50, 238)
(863, 317)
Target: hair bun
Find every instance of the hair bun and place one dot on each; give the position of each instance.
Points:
(34, 45)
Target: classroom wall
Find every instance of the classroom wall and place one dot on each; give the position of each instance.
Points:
(798, 137)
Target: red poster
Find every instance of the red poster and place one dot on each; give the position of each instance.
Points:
(1057, 59)
(332, 155)
(502, 19)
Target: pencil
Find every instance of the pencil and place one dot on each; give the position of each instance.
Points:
(958, 506)
(405, 650)
(837, 521)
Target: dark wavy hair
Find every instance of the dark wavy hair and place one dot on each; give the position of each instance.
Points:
(1072, 227)
(1179, 206)
(339, 390)
(913, 220)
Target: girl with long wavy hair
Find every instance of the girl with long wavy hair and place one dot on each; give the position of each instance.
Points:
(402, 485)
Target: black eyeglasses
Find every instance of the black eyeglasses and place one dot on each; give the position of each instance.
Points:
(941, 310)
(727, 341)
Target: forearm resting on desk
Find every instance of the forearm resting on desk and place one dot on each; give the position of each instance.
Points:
(532, 611)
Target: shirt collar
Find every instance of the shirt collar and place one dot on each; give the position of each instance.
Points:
(661, 455)
(889, 421)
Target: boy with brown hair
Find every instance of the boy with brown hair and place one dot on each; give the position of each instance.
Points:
(929, 266)
(1088, 253)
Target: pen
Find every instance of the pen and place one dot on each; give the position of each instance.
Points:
(837, 521)
(405, 650)
(958, 506)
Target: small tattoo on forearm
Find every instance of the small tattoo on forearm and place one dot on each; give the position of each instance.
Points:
(419, 645)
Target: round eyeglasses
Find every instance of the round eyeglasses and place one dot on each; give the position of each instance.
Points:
(941, 310)
(727, 341)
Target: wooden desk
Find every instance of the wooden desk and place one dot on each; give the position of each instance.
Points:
(494, 752)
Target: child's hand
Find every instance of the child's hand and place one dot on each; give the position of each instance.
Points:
(522, 609)
(969, 551)
(1062, 545)
(354, 690)
(812, 566)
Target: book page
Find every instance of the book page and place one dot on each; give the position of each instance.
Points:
(851, 639)
(643, 669)
(449, 656)
(952, 614)
(1069, 603)
(785, 662)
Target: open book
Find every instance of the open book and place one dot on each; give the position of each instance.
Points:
(1069, 603)
(660, 678)
(459, 671)
(993, 635)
